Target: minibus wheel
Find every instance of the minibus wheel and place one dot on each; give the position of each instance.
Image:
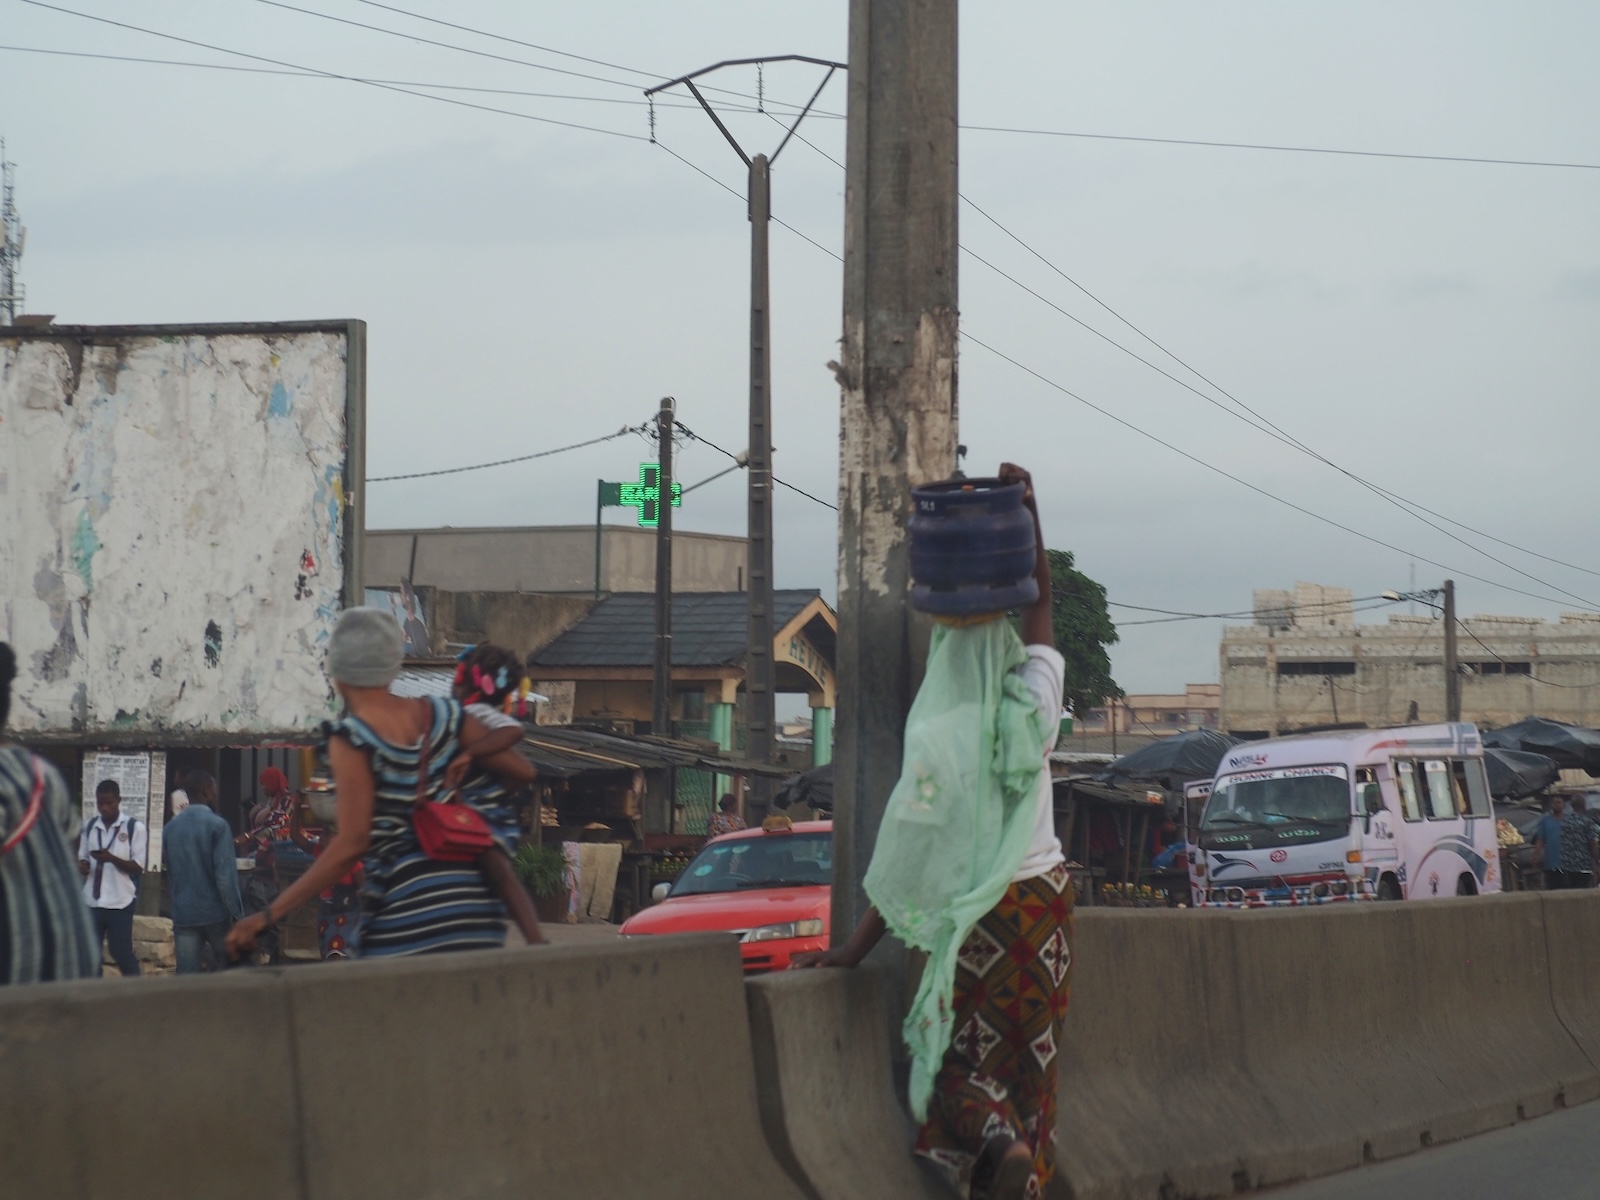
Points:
(1466, 886)
(1388, 888)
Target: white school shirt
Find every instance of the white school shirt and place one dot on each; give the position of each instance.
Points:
(1044, 673)
(117, 890)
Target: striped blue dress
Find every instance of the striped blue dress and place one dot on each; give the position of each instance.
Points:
(412, 904)
(44, 922)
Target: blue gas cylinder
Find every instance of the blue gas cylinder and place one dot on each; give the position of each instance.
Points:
(972, 548)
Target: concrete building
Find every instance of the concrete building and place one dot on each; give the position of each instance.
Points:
(1156, 714)
(550, 559)
(1306, 662)
(524, 586)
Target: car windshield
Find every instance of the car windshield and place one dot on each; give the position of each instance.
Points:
(1267, 798)
(770, 860)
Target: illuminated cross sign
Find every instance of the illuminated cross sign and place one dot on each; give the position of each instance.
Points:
(644, 495)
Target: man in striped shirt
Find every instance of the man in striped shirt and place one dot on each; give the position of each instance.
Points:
(44, 926)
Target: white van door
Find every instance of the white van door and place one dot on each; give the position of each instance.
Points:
(1441, 853)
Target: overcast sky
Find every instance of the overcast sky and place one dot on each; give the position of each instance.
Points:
(1428, 326)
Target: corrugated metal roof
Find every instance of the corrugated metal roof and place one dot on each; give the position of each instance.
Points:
(564, 751)
(708, 629)
(433, 681)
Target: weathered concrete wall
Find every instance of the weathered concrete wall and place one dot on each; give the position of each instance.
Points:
(173, 554)
(554, 558)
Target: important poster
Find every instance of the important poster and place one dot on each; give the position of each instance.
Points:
(131, 773)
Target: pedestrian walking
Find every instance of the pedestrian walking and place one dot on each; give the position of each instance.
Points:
(968, 868)
(198, 848)
(390, 755)
(111, 858)
(44, 925)
(726, 819)
(1580, 839)
(338, 905)
(1547, 834)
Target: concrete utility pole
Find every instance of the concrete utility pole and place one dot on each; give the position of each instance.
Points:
(759, 673)
(661, 691)
(898, 409)
(13, 237)
(1452, 668)
(760, 703)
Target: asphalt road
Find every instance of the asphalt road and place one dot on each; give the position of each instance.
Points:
(1552, 1158)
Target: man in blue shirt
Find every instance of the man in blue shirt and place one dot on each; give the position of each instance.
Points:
(1547, 833)
(198, 848)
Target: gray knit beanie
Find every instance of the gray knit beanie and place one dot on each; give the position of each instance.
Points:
(366, 648)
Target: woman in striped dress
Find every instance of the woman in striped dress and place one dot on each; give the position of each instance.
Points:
(44, 924)
(413, 904)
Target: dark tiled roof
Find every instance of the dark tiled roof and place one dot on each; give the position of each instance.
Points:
(708, 629)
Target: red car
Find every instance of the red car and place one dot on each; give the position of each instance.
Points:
(771, 887)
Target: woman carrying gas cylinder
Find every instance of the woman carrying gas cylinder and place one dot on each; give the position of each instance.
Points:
(968, 869)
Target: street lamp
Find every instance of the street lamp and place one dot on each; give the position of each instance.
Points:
(1452, 668)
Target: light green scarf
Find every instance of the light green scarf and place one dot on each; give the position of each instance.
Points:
(959, 821)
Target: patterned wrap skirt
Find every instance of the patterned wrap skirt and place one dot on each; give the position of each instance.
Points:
(1013, 981)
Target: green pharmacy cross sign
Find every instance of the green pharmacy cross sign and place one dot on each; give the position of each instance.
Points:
(644, 495)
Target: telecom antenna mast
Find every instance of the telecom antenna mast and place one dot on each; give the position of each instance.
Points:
(12, 238)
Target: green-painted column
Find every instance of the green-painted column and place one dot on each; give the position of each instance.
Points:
(821, 736)
(721, 732)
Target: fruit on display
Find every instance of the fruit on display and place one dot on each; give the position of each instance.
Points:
(1506, 835)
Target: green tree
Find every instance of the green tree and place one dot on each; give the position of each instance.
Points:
(1083, 629)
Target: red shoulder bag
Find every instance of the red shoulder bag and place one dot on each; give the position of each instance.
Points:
(447, 832)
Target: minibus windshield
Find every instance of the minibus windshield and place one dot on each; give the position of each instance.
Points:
(1319, 795)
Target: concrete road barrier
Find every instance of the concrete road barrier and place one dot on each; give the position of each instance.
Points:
(1572, 945)
(171, 1088)
(826, 1092)
(622, 1070)
(1154, 1100)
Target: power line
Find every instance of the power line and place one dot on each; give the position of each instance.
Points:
(1246, 483)
(413, 37)
(307, 74)
(172, 37)
(689, 433)
(758, 96)
(502, 462)
(1172, 612)
(1215, 616)
(1164, 141)
(1261, 423)
(616, 133)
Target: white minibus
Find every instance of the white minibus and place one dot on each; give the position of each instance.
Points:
(1368, 814)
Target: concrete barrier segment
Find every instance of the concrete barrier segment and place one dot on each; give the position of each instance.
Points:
(826, 1090)
(156, 1088)
(620, 1070)
(1572, 944)
(1154, 1100)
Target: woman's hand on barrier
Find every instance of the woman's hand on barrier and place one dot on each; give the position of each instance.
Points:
(242, 937)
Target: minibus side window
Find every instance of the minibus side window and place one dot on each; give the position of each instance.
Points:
(1369, 796)
(1410, 798)
(1441, 791)
(1470, 782)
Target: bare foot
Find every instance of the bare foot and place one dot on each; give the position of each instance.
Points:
(1012, 1173)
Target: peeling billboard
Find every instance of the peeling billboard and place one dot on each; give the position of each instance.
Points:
(181, 527)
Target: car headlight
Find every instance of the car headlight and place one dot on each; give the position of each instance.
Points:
(810, 927)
